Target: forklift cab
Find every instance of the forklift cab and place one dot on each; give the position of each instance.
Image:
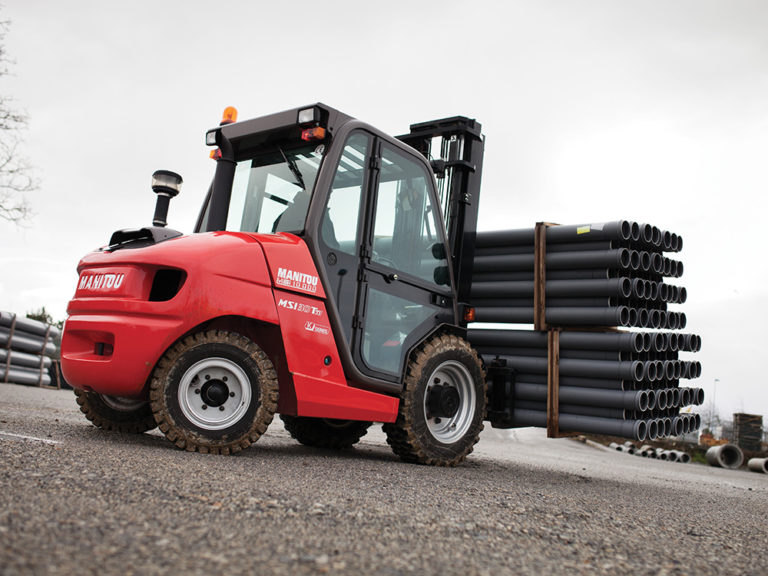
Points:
(366, 206)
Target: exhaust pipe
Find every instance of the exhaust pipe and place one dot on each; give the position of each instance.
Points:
(166, 185)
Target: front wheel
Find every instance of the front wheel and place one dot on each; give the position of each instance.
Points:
(325, 432)
(442, 404)
(214, 391)
(115, 413)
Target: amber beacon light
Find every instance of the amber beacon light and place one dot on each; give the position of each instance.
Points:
(229, 116)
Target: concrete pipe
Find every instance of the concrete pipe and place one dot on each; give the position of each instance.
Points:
(758, 465)
(725, 456)
(681, 456)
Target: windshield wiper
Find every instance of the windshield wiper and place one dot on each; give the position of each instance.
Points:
(294, 169)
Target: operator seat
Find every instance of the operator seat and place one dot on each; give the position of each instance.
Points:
(293, 217)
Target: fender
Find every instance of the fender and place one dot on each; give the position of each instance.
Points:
(131, 305)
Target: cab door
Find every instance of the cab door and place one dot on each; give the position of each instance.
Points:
(384, 253)
(405, 290)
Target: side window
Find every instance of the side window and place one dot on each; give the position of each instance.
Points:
(340, 221)
(405, 229)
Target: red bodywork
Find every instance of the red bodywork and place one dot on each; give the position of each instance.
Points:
(263, 285)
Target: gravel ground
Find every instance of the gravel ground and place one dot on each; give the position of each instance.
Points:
(75, 499)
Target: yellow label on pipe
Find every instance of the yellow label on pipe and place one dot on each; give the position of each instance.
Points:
(583, 230)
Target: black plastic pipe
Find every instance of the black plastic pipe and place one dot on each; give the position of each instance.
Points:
(634, 371)
(22, 359)
(634, 400)
(619, 341)
(576, 410)
(28, 326)
(21, 376)
(613, 316)
(26, 343)
(618, 259)
(616, 287)
(635, 429)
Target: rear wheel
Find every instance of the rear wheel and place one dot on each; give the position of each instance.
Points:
(116, 413)
(325, 432)
(442, 404)
(214, 391)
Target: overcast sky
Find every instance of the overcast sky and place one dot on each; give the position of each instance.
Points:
(655, 111)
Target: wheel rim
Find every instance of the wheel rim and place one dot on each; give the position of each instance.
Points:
(457, 376)
(121, 404)
(214, 393)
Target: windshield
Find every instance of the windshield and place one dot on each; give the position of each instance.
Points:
(271, 192)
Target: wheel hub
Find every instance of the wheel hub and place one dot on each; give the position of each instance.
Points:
(449, 402)
(443, 401)
(214, 393)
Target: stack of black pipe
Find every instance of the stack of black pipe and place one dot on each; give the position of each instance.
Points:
(599, 277)
(26, 348)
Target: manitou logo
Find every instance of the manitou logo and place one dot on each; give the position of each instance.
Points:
(297, 280)
(101, 281)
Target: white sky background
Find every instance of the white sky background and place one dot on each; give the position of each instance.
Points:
(654, 111)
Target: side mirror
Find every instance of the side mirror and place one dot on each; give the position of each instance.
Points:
(166, 185)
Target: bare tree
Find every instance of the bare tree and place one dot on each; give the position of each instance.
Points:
(17, 177)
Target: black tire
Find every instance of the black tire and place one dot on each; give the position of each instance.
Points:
(114, 413)
(442, 363)
(214, 392)
(325, 432)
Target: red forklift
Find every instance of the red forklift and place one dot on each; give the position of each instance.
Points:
(326, 281)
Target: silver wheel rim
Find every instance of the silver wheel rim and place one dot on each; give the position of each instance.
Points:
(456, 375)
(214, 416)
(121, 404)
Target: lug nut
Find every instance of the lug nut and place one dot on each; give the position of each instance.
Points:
(207, 376)
(224, 379)
(197, 391)
(221, 408)
(231, 394)
(205, 406)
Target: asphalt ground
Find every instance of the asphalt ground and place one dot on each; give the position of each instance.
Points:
(77, 500)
